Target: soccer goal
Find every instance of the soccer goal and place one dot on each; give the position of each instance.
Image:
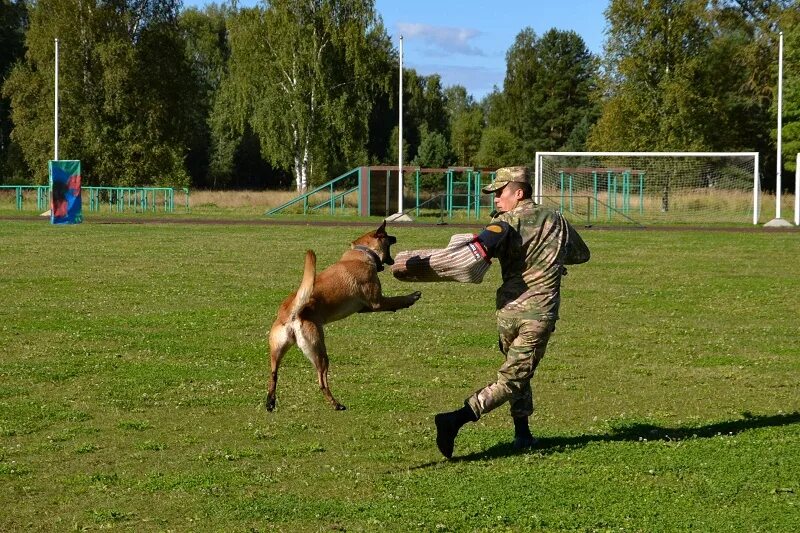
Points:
(651, 187)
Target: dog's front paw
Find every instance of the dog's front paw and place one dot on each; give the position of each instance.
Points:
(413, 297)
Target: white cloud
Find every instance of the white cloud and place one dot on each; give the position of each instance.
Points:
(479, 81)
(443, 40)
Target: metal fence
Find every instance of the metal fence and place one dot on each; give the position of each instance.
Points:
(114, 199)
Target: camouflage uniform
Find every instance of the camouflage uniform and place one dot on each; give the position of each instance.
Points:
(532, 258)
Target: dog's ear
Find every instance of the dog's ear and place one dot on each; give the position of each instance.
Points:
(381, 231)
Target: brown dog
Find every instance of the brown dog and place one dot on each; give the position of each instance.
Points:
(348, 286)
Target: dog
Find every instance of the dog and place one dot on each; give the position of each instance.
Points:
(350, 285)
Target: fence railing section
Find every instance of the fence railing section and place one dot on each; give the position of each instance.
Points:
(115, 199)
(332, 194)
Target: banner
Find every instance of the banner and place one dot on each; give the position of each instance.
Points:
(65, 192)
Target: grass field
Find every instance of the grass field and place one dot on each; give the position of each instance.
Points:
(133, 373)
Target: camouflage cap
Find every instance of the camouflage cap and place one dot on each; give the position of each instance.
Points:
(503, 176)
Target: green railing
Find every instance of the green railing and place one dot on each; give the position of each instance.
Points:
(42, 193)
(117, 199)
(335, 199)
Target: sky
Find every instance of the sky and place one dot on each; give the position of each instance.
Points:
(465, 41)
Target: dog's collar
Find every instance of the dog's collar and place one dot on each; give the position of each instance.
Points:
(372, 255)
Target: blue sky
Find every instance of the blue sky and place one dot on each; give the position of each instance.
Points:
(465, 41)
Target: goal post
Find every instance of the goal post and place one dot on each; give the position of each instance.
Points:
(797, 191)
(651, 187)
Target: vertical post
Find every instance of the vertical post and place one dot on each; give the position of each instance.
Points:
(797, 192)
(469, 192)
(571, 204)
(368, 194)
(641, 193)
(360, 189)
(780, 110)
(561, 196)
(476, 186)
(400, 136)
(388, 191)
(614, 184)
(416, 189)
(55, 127)
(756, 190)
(626, 192)
(449, 195)
(594, 179)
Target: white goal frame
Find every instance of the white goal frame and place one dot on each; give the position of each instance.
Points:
(797, 192)
(538, 183)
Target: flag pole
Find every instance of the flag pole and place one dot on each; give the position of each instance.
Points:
(400, 137)
(780, 112)
(778, 221)
(55, 128)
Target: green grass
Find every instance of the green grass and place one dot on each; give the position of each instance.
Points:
(133, 370)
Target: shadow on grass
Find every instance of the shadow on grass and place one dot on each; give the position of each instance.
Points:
(632, 432)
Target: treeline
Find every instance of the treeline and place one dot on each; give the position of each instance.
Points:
(293, 93)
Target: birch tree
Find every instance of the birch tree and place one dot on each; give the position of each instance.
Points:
(306, 71)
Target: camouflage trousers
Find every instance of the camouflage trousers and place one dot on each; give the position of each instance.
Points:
(523, 342)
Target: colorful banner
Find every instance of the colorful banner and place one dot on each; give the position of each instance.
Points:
(65, 192)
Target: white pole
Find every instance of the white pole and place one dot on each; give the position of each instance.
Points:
(400, 137)
(780, 110)
(797, 192)
(55, 143)
(756, 191)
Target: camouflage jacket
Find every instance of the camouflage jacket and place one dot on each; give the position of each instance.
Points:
(532, 258)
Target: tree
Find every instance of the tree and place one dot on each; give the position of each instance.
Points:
(494, 108)
(207, 50)
(308, 71)
(688, 75)
(392, 148)
(423, 108)
(566, 82)
(125, 90)
(547, 90)
(13, 19)
(790, 23)
(466, 124)
(651, 53)
(434, 150)
(518, 109)
(457, 101)
(500, 148)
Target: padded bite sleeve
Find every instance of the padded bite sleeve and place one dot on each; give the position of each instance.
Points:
(464, 260)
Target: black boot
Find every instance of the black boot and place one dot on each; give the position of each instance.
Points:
(447, 426)
(522, 434)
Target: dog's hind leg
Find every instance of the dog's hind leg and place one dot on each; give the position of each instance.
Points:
(312, 342)
(281, 339)
(322, 377)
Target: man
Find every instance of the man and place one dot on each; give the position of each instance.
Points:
(532, 243)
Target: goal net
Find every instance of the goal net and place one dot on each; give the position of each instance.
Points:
(650, 187)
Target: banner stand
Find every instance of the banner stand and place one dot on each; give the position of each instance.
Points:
(65, 192)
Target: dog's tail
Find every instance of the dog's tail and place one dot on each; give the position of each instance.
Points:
(303, 295)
